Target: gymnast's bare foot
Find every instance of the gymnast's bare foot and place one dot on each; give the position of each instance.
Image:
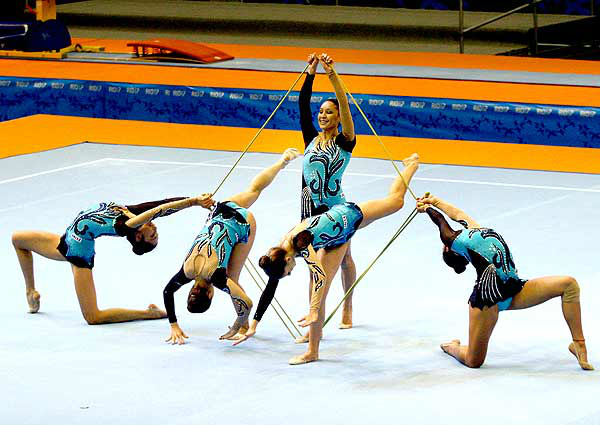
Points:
(304, 358)
(33, 299)
(155, 312)
(447, 346)
(346, 319)
(413, 159)
(578, 349)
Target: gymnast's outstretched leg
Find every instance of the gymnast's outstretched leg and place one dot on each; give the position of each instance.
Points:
(537, 291)
(379, 208)
(331, 260)
(236, 262)
(481, 325)
(348, 278)
(42, 243)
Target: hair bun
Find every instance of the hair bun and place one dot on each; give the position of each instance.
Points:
(264, 261)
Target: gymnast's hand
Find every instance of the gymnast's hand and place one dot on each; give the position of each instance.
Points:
(205, 200)
(177, 335)
(426, 201)
(289, 155)
(313, 61)
(309, 319)
(326, 63)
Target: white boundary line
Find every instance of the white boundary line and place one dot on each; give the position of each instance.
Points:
(391, 176)
(245, 167)
(56, 170)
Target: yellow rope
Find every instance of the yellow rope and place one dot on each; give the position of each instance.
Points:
(276, 312)
(260, 130)
(412, 215)
(374, 132)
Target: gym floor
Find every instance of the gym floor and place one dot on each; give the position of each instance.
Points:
(388, 369)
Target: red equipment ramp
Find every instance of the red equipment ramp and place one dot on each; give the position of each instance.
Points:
(163, 48)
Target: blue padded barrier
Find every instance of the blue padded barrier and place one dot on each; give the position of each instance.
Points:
(436, 118)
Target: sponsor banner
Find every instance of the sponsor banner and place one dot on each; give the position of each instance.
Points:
(434, 118)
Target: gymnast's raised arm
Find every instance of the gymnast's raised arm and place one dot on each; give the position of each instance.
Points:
(450, 210)
(168, 208)
(345, 115)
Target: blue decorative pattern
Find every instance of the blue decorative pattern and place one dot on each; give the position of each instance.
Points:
(225, 227)
(336, 226)
(323, 170)
(98, 220)
(433, 118)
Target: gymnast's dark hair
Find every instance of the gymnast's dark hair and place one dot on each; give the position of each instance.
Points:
(274, 263)
(455, 261)
(201, 302)
(139, 247)
(334, 101)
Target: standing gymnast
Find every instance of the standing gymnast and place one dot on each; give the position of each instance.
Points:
(218, 254)
(498, 287)
(322, 241)
(76, 246)
(326, 156)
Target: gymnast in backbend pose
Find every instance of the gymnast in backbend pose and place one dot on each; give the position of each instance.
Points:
(218, 254)
(76, 246)
(322, 241)
(498, 287)
(326, 156)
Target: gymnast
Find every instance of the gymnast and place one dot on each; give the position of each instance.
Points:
(218, 254)
(76, 245)
(498, 287)
(326, 156)
(322, 241)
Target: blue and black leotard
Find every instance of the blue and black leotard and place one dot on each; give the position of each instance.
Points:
(327, 230)
(497, 279)
(226, 226)
(336, 226)
(322, 170)
(77, 244)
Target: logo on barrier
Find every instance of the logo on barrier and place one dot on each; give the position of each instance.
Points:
(459, 106)
(197, 93)
(5, 83)
(114, 89)
(501, 109)
(217, 94)
(376, 102)
(275, 97)
(587, 114)
(293, 98)
(133, 90)
(417, 105)
(22, 84)
(39, 85)
(397, 103)
(256, 96)
(179, 93)
(75, 86)
(95, 89)
(152, 92)
(236, 96)
(566, 112)
(316, 99)
(543, 111)
(522, 109)
(438, 106)
(480, 108)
